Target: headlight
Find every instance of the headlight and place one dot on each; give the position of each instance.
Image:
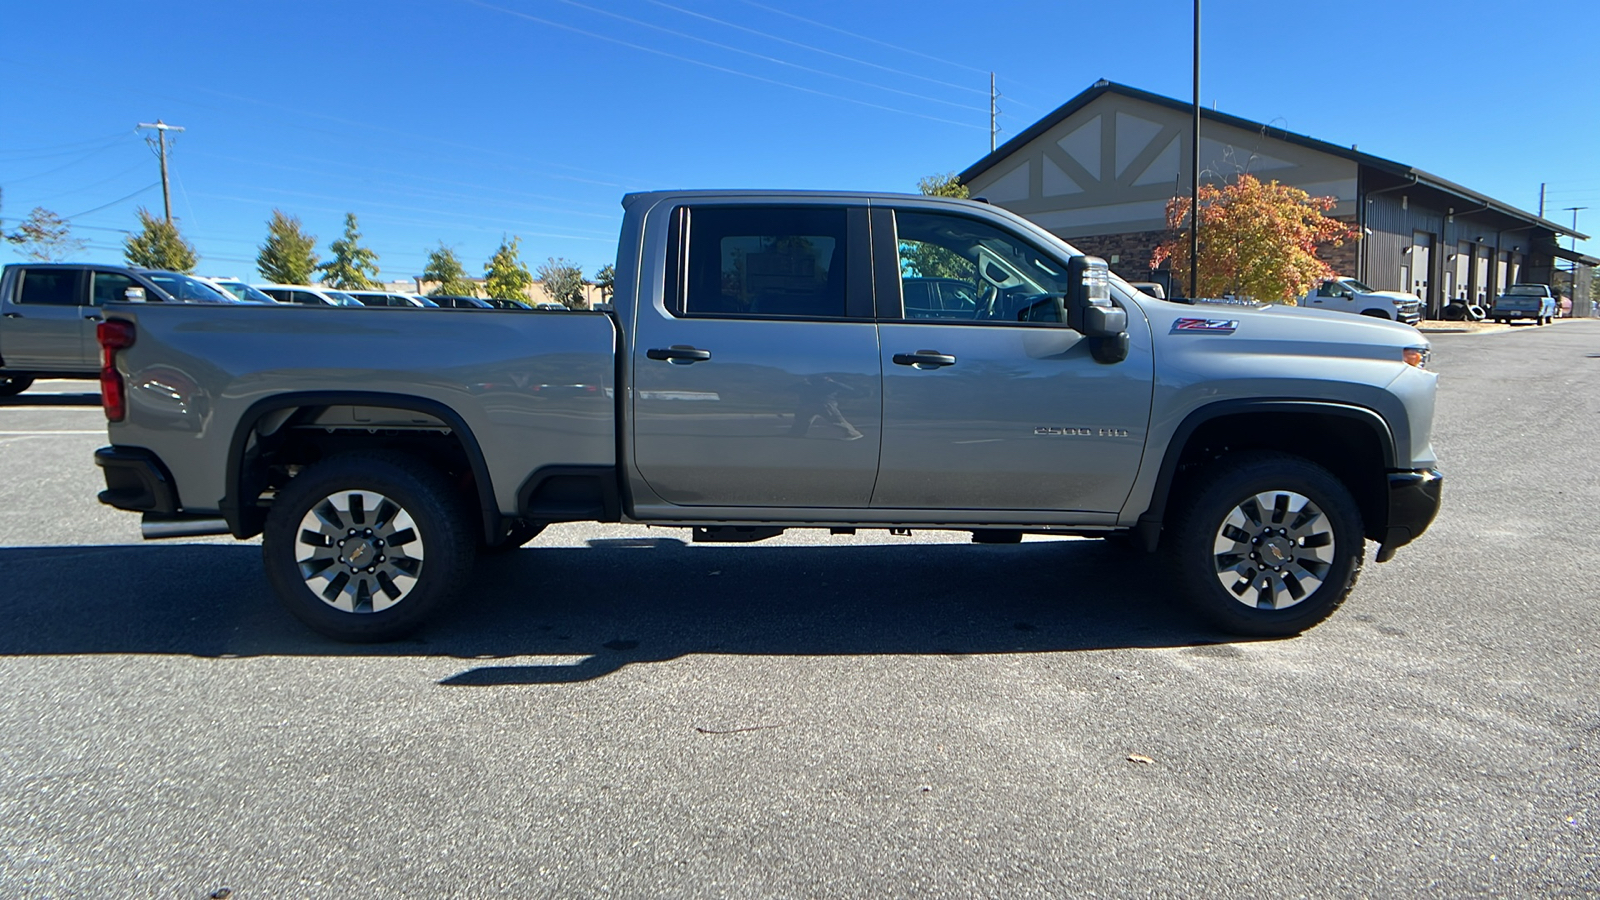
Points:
(1415, 356)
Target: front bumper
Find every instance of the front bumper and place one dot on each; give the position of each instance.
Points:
(1414, 499)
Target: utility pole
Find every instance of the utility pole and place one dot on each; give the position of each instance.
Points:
(1541, 201)
(994, 112)
(161, 144)
(1194, 174)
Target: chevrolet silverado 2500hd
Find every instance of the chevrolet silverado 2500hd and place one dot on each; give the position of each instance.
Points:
(764, 369)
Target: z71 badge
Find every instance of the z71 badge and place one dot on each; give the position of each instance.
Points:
(1206, 326)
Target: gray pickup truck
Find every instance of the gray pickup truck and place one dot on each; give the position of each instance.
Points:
(48, 314)
(761, 369)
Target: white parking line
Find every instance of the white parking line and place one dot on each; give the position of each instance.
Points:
(47, 433)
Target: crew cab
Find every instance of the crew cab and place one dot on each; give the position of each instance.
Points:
(48, 312)
(1351, 296)
(762, 369)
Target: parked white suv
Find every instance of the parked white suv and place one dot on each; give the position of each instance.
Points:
(1350, 295)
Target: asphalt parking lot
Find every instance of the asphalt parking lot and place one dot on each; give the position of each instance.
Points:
(615, 712)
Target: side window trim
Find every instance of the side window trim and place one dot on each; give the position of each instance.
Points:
(890, 280)
(886, 266)
(856, 247)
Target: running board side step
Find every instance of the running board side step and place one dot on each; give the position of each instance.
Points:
(155, 527)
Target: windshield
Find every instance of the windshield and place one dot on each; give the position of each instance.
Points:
(188, 290)
(244, 292)
(341, 298)
(427, 303)
(1355, 285)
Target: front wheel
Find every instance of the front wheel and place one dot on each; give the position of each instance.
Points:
(12, 385)
(367, 546)
(1269, 545)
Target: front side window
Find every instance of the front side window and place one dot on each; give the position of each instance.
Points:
(784, 262)
(111, 286)
(962, 270)
(49, 287)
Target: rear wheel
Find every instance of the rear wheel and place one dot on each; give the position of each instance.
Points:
(367, 546)
(1270, 545)
(12, 385)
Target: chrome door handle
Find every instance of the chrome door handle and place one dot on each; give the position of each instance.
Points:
(924, 359)
(95, 318)
(13, 315)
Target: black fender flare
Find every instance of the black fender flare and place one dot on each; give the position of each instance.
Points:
(1150, 521)
(237, 512)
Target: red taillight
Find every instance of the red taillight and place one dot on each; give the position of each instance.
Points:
(113, 336)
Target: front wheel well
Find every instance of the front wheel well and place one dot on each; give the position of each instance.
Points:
(1348, 447)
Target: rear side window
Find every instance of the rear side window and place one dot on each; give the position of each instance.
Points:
(49, 287)
(782, 262)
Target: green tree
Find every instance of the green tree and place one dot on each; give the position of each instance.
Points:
(353, 267)
(606, 280)
(563, 281)
(443, 267)
(921, 260)
(158, 245)
(289, 255)
(945, 185)
(44, 236)
(1257, 239)
(507, 277)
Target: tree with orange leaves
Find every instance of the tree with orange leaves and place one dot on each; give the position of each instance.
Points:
(1257, 240)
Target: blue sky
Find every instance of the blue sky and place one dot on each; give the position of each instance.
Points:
(464, 120)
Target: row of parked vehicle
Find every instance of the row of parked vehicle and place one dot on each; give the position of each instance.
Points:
(49, 311)
(309, 295)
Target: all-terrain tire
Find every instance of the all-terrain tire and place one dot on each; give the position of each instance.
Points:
(367, 546)
(12, 385)
(1267, 544)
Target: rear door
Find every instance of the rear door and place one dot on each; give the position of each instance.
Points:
(45, 321)
(756, 374)
(990, 401)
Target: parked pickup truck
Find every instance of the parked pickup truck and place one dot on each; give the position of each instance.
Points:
(1351, 296)
(761, 370)
(48, 312)
(1532, 302)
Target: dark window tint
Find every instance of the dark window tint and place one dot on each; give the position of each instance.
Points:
(49, 287)
(957, 269)
(111, 286)
(766, 261)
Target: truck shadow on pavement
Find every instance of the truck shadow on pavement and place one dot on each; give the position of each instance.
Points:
(599, 609)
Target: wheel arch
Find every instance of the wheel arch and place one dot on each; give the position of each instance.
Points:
(246, 519)
(1353, 442)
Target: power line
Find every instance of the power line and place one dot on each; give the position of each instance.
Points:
(713, 66)
(761, 56)
(114, 202)
(825, 52)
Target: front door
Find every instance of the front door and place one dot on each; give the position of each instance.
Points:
(992, 402)
(756, 378)
(45, 322)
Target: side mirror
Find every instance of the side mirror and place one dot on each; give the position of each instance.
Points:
(133, 295)
(1091, 311)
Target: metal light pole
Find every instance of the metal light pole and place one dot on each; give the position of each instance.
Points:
(1194, 170)
(1573, 287)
